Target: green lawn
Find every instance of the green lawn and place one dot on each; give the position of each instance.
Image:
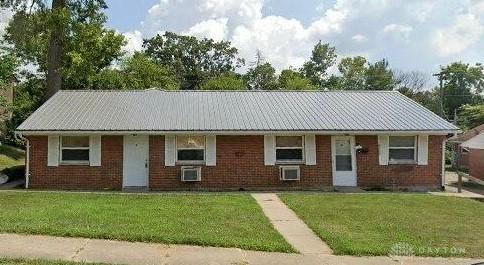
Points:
(371, 224)
(10, 157)
(7, 261)
(225, 220)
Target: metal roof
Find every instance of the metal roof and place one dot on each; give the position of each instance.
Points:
(158, 110)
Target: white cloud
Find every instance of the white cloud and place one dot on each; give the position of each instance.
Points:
(466, 31)
(213, 28)
(399, 31)
(134, 41)
(359, 38)
(412, 34)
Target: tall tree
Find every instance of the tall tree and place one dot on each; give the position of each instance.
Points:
(194, 60)
(262, 77)
(379, 76)
(292, 80)
(68, 42)
(462, 84)
(413, 85)
(322, 58)
(353, 73)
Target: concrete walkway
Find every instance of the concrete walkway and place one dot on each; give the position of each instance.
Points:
(130, 253)
(293, 229)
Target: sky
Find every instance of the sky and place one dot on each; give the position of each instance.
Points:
(412, 34)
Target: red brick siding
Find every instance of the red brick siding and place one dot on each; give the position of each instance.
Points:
(108, 176)
(240, 164)
(371, 174)
(476, 163)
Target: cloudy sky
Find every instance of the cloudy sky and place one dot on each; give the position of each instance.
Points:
(411, 34)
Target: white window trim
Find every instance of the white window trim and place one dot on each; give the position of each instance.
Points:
(403, 161)
(73, 162)
(281, 170)
(294, 161)
(191, 162)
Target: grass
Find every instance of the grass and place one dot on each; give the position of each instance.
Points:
(8, 261)
(371, 224)
(209, 220)
(10, 156)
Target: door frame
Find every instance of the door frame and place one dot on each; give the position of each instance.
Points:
(125, 164)
(353, 158)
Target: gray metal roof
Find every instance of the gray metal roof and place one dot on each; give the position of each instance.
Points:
(157, 110)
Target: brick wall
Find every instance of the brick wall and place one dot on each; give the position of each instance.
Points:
(240, 164)
(107, 176)
(476, 163)
(371, 174)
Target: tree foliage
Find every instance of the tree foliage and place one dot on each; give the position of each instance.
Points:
(262, 77)
(322, 58)
(194, 60)
(226, 81)
(471, 116)
(293, 80)
(462, 84)
(353, 73)
(379, 76)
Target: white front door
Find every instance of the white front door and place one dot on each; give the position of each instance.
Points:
(135, 161)
(344, 160)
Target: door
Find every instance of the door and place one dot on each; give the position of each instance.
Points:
(135, 161)
(344, 160)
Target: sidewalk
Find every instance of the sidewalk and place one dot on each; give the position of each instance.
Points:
(288, 224)
(119, 252)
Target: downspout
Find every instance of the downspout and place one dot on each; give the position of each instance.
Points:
(27, 159)
(27, 165)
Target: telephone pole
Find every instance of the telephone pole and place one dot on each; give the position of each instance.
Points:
(441, 91)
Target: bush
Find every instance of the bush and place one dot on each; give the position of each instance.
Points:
(15, 172)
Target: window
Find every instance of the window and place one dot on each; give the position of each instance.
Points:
(402, 149)
(191, 173)
(75, 149)
(289, 148)
(190, 148)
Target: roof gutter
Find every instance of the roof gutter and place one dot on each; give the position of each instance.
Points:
(240, 132)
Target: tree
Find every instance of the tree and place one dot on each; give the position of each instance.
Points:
(68, 42)
(412, 84)
(194, 60)
(322, 58)
(226, 81)
(262, 77)
(8, 67)
(292, 80)
(353, 73)
(137, 72)
(462, 84)
(379, 76)
(471, 116)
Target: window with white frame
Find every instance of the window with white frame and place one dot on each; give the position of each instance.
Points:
(402, 149)
(74, 149)
(190, 148)
(289, 148)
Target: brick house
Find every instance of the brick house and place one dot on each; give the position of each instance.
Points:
(221, 140)
(475, 153)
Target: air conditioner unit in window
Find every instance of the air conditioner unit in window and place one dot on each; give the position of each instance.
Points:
(290, 172)
(191, 173)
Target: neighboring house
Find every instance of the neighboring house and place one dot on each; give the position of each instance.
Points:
(221, 140)
(475, 146)
(457, 140)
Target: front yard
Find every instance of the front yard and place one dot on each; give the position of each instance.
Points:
(200, 219)
(386, 224)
